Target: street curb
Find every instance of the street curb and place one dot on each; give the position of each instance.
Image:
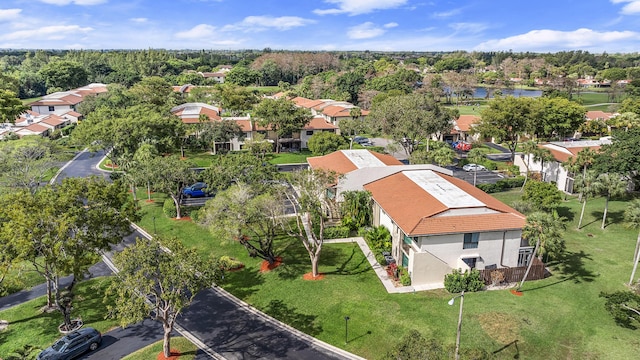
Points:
(297, 333)
(55, 177)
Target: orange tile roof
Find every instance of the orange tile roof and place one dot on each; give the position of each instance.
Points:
(413, 209)
(464, 122)
(319, 123)
(597, 114)
(245, 125)
(336, 111)
(338, 162)
(36, 128)
(54, 120)
(562, 156)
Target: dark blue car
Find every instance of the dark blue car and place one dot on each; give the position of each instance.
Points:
(73, 345)
(198, 189)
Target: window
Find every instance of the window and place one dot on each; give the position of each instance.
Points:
(51, 108)
(471, 241)
(309, 132)
(405, 260)
(471, 262)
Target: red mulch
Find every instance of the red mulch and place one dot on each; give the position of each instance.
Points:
(265, 266)
(175, 354)
(309, 276)
(517, 293)
(149, 201)
(185, 218)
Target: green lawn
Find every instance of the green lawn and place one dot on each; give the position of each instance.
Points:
(184, 346)
(290, 158)
(590, 98)
(557, 318)
(28, 325)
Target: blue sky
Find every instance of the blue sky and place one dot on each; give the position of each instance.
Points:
(382, 25)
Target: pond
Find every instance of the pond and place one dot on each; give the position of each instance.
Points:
(481, 93)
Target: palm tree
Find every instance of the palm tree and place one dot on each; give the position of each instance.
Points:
(609, 185)
(546, 229)
(443, 156)
(585, 182)
(475, 156)
(543, 155)
(585, 158)
(632, 217)
(528, 149)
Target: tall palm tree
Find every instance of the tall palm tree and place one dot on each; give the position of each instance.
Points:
(475, 156)
(443, 156)
(585, 158)
(543, 155)
(546, 230)
(585, 182)
(609, 185)
(632, 217)
(528, 149)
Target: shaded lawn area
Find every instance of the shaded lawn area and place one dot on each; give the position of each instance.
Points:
(557, 318)
(21, 276)
(28, 325)
(185, 347)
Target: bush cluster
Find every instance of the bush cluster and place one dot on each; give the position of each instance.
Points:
(458, 281)
(169, 208)
(336, 232)
(405, 279)
(502, 185)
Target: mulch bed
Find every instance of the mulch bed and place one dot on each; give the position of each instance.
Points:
(185, 218)
(265, 266)
(174, 355)
(516, 292)
(149, 201)
(309, 276)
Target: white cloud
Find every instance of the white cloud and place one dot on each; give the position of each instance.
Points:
(632, 7)
(76, 2)
(545, 40)
(356, 7)
(9, 14)
(390, 25)
(280, 23)
(139, 20)
(366, 30)
(56, 32)
(197, 32)
(473, 28)
(446, 14)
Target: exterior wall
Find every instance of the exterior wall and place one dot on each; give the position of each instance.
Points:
(553, 170)
(44, 109)
(427, 269)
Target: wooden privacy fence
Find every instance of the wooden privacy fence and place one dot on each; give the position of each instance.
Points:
(515, 274)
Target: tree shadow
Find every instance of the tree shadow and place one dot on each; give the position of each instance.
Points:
(348, 267)
(514, 344)
(613, 217)
(288, 315)
(571, 267)
(297, 261)
(243, 283)
(566, 213)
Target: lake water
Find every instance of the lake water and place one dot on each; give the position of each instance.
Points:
(481, 93)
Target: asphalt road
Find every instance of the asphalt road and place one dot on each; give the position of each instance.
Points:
(482, 177)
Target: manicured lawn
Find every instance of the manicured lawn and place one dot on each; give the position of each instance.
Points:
(590, 98)
(28, 325)
(184, 346)
(21, 276)
(290, 158)
(557, 318)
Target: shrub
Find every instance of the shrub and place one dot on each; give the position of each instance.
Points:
(228, 263)
(458, 281)
(522, 206)
(543, 195)
(379, 238)
(380, 259)
(405, 279)
(169, 208)
(336, 232)
(195, 214)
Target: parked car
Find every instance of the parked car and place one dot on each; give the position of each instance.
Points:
(73, 345)
(474, 167)
(198, 189)
(361, 139)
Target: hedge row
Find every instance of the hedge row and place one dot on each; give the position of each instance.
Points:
(502, 185)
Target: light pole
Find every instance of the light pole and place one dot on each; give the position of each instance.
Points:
(451, 302)
(346, 329)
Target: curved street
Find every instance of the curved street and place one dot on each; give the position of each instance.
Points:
(221, 325)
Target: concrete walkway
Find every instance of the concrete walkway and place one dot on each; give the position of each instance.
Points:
(380, 271)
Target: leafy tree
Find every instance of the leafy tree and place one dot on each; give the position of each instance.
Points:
(242, 76)
(624, 306)
(356, 209)
(325, 142)
(545, 230)
(143, 159)
(622, 156)
(220, 132)
(506, 120)
(410, 119)
(281, 116)
(169, 175)
(629, 104)
(258, 145)
(156, 283)
(231, 168)
(609, 185)
(24, 163)
(543, 195)
(10, 106)
(64, 74)
(350, 83)
(625, 121)
(556, 117)
(315, 204)
(413, 346)
(443, 156)
(155, 91)
(235, 99)
(632, 218)
(248, 216)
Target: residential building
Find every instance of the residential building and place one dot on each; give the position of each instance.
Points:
(64, 101)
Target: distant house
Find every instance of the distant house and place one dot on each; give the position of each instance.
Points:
(438, 223)
(555, 171)
(331, 110)
(316, 125)
(462, 129)
(64, 101)
(598, 115)
(34, 129)
(216, 76)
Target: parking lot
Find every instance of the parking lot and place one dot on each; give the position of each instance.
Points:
(482, 177)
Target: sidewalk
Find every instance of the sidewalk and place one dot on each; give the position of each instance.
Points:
(380, 271)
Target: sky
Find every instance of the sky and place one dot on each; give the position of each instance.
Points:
(377, 25)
